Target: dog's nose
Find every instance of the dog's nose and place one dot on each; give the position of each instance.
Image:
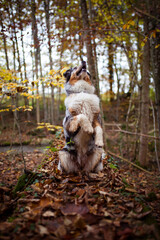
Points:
(83, 64)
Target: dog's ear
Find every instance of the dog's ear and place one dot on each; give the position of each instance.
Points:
(67, 74)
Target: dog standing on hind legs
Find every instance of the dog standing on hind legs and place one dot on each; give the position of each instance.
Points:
(82, 125)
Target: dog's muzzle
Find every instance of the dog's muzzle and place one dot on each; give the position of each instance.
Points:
(81, 68)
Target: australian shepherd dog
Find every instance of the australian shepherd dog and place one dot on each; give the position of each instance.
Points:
(82, 124)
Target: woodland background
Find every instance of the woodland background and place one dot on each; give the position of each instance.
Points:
(39, 41)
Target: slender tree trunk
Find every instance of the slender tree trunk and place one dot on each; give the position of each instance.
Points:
(110, 68)
(94, 42)
(145, 100)
(26, 100)
(36, 48)
(46, 8)
(32, 78)
(155, 52)
(16, 40)
(88, 43)
(4, 41)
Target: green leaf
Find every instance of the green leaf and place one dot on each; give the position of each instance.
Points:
(111, 165)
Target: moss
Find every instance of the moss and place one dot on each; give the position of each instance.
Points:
(151, 197)
(5, 144)
(23, 181)
(26, 142)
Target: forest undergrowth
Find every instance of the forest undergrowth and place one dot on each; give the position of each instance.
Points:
(121, 202)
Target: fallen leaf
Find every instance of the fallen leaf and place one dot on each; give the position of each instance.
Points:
(109, 194)
(43, 230)
(67, 222)
(79, 222)
(61, 231)
(80, 192)
(72, 209)
(48, 214)
(131, 190)
(138, 216)
(108, 234)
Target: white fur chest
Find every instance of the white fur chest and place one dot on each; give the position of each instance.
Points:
(83, 103)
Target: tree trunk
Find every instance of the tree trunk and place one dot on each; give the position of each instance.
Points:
(36, 48)
(46, 8)
(32, 77)
(16, 40)
(110, 68)
(88, 43)
(26, 100)
(145, 100)
(155, 52)
(4, 41)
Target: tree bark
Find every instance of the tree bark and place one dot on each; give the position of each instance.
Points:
(4, 41)
(145, 99)
(46, 8)
(26, 100)
(36, 48)
(88, 43)
(110, 69)
(155, 52)
(16, 40)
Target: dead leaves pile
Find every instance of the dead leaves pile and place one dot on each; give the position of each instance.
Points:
(97, 206)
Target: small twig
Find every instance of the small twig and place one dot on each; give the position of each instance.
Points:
(147, 14)
(126, 160)
(113, 30)
(155, 142)
(134, 133)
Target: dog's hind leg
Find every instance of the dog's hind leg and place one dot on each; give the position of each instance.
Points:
(67, 162)
(94, 161)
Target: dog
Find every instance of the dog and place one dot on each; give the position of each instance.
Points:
(82, 124)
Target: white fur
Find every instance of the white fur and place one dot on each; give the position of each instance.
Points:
(83, 103)
(81, 86)
(81, 120)
(98, 136)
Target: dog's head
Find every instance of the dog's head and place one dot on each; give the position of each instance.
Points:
(73, 75)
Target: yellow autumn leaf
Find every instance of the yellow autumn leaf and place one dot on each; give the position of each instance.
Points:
(153, 34)
(125, 26)
(63, 70)
(52, 72)
(157, 46)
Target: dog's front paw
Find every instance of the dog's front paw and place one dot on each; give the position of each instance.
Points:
(88, 128)
(99, 142)
(73, 125)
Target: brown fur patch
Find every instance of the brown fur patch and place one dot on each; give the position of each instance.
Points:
(87, 79)
(96, 122)
(74, 124)
(73, 113)
(74, 78)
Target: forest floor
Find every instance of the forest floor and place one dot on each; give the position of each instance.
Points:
(122, 202)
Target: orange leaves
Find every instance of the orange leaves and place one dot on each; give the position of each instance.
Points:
(36, 206)
(94, 206)
(129, 24)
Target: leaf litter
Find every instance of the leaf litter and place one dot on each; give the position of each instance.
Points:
(118, 203)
